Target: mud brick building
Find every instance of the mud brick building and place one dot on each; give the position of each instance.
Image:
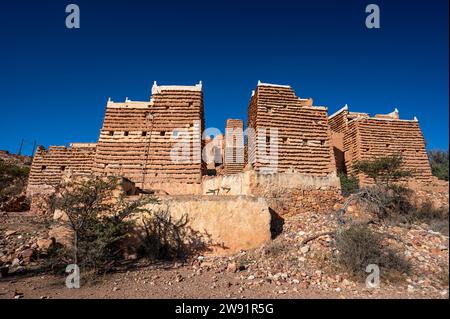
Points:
(137, 138)
(303, 135)
(234, 160)
(50, 165)
(358, 136)
(157, 144)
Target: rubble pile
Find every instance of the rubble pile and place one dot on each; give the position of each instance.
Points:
(23, 241)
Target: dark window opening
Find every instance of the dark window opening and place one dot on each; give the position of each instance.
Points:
(111, 133)
(267, 139)
(305, 141)
(43, 167)
(285, 139)
(367, 149)
(63, 168)
(144, 133)
(162, 133)
(322, 142)
(387, 145)
(126, 133)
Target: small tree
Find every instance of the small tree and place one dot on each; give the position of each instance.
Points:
(383, 170)
(97, 221)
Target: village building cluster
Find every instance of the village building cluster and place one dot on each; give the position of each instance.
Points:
(157, 144)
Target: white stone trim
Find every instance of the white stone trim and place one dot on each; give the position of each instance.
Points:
(345, 108)
(159, 88)
(274, 85)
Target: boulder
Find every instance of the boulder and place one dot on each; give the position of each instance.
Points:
(225, 224)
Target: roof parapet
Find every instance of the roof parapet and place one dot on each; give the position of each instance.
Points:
(80, 145)
(159, 88)
(344, 108)
(271, 84)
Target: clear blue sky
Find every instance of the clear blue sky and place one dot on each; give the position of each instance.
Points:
(54, 82)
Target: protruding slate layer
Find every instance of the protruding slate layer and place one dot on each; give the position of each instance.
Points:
(304, 139)
(360, 137)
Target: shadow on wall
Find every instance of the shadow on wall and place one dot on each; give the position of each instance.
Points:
(340, 159)
(276, 224)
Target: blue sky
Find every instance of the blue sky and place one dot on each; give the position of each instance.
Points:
(54, 82)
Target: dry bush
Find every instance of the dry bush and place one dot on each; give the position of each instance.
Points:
(169, 239)
(275, 248)
(359, 247)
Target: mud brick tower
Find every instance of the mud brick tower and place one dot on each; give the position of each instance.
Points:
(234, 147)
(357, 136)
(302, 132)
(157, 143)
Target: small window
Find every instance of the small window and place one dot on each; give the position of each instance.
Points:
(305, 141)
(126, 133)
(267, 139)
(322, 142)
(162, 133)
(111, 133)
(285, 139)
(388, 145)
(43, 168)
(63, 168)
(144, 133)
(191, 104)
(367, 149)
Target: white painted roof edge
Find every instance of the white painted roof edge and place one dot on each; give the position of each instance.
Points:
(383, 119)
(272, 84)
(158, 88)
(345, 107)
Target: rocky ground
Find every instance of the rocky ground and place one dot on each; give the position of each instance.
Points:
(284, 268)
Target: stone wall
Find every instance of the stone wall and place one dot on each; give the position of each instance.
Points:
(137, 137)
(304, 139)
(361, 137)
(285, 193)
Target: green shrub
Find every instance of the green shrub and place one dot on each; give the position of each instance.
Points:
(98, 225)
(349, 184)
(13, 180)
(383, 170)
(439, 164)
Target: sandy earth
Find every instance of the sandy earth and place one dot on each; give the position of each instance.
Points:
(281, 269)
(179, 282)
